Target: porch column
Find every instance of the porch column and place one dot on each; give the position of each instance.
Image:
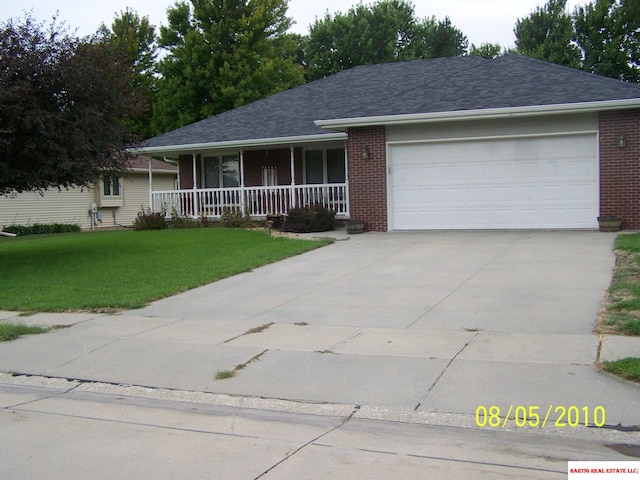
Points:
(346, 179)
(195, 185)
(242, 199)
(150, 187)
(293, 177)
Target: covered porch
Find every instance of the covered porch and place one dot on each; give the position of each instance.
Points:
(258, 182)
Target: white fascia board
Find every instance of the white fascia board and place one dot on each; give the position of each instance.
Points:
(486, 114)
(154, 170)
(239, 144)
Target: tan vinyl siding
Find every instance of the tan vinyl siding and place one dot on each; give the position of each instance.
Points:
(136, 196)
(587, 122)
(66, 206)
(72, 206)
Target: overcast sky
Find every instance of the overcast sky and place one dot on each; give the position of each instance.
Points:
(480, 20)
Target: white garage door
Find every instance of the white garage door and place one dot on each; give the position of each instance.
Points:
(520, 183)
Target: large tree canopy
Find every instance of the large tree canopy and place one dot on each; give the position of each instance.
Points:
(386, 31)
(221, 55)
(64, 106)
(135, 39)
(608, 32)
(600, 37)
(547, 34)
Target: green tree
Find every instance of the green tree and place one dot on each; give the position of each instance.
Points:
(442, 39)
(222, 54)
(487, 50)
(607, 33)
(135, 39)
(547, 34)
(65, 104)
(385, 31)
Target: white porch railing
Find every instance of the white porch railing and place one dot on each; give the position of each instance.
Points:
(257, 201)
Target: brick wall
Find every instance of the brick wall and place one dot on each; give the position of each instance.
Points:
(185, 165)
(281, 158)
(368, 177)
(620, 166)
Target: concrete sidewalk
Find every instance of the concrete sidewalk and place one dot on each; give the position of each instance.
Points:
(440, 323)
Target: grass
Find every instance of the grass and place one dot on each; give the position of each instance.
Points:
(224, 374)
(11, 331)
(622, 307)
(622, 312)
(104, 271)
(628, 368)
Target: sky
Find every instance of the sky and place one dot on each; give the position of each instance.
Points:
(481, 21)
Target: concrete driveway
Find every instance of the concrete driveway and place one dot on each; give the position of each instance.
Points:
(401, 326)
(545, 282)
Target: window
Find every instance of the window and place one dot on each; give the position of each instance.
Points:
(111, 186)
(111, 191)
(324, 166)
(269, 176)
(335, 166)
(223, 171)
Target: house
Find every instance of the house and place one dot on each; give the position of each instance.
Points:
(448, 143)
(114, 201)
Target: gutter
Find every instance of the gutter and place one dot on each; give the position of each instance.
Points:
(484, 114)
(257, 142)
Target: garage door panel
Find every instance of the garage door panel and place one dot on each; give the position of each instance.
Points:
(549, 182)
(580, 192)
(503, 194)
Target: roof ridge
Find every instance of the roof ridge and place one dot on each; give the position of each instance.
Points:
(565, 68)
(441, 79)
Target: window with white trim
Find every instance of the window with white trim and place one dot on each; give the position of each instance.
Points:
(111, 194)
(222, 171)
(324, 166)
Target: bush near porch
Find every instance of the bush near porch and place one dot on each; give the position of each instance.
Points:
(314, 218)
(105, 271)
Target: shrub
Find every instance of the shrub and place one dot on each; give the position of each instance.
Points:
(148, 220)
(180, 221)
(234, 218)
(39, 228)
(314, 218)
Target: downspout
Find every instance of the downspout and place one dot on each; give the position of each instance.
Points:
(179, 182)
(346, 180)
(293, 177)
(150, 187)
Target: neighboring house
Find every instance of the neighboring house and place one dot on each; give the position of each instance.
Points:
(449, 143)
(115, 201)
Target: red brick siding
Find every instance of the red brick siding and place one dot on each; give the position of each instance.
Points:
(256, 159)
(368, 177)
(620, 166)
(185, 167)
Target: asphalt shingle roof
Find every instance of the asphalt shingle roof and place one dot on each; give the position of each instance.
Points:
(416, 87)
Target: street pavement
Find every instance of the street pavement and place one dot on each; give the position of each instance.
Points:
(381, 355)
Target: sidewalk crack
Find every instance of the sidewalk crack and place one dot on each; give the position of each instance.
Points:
(424, 397)
(314, 440)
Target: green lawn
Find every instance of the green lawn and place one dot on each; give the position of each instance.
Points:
(622, 313)
(622, 307)
(126, 269)
(628, 368)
